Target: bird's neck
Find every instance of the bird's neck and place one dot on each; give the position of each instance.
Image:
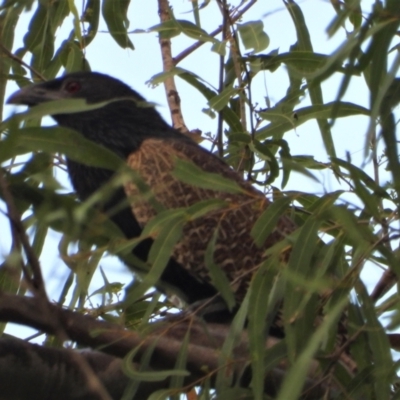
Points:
(87, 180)
(120, 129)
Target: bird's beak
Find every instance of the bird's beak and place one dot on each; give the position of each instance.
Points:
(34, 94)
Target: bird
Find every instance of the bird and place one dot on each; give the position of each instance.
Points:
(151, 147)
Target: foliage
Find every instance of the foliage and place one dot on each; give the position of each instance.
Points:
(340, 231)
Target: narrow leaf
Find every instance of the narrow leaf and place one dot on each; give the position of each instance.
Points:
(260, 305)
(266, 223)
(69, 142)
(91, 16)
(221, 100)
(218, 277)
(159, 255)
(283, 122)
(205, 207)
(115, 15)
(253, 35)
(189, 173)
(295, 377)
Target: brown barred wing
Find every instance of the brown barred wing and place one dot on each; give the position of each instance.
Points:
(235, 251)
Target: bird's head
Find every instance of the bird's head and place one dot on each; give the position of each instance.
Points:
(121, 123)
(91, 86)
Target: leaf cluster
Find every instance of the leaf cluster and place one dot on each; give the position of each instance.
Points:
(340, 232)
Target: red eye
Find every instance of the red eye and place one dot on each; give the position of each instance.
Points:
(73, 87)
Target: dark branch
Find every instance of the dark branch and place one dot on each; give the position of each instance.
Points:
(166, 337)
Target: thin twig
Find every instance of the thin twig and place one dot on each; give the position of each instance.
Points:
(220, 144)
(9, 54)
(36, 284)
(237, 65)
(389, 278)
(36, 281)
(196, 45)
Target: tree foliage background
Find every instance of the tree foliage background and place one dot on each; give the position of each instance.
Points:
(340, 231)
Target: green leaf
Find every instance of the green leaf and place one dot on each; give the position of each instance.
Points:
(189, 173)
(239, 137)
(378, 344)
(76, 22)
(115, 15)
(260, 305)
(267, 221)
(218, 277)
(289, 164)
(219, 101)
(224, 377)
(161, 394)
(298, 307)
(193, 31)
(174, 27)
(167, 236)
(357, 233)
(274, 355)
(68, 142)
(37, 28)
(8, 20)
(177, 381)
(295, 377)
(65, 106)
(302, 62)
(85, 269)
(264, 152)
(283, 122)
(147, 376)
(196, 14)
(162, 76)
(228, 114)
(124, 247)
(253, 35)
(75, 57)
(359, 178)
(167, 29)
(162, 219)
(204, 207)
(314, 88)
(355, 15)
(41, 231)
(219, 47)
(91, 16)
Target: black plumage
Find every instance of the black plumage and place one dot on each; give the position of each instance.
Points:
(137, 133)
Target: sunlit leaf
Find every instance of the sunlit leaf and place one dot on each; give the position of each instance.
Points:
(189, 173)
(221, 100)
(115, 15)
(253, 35)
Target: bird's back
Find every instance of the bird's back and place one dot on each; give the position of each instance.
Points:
(235, 251)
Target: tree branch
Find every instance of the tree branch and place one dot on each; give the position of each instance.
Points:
(174, 101)
(165, 338)
(215, 32)
(43, 308)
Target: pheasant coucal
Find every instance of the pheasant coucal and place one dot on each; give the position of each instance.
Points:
(150, 146)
